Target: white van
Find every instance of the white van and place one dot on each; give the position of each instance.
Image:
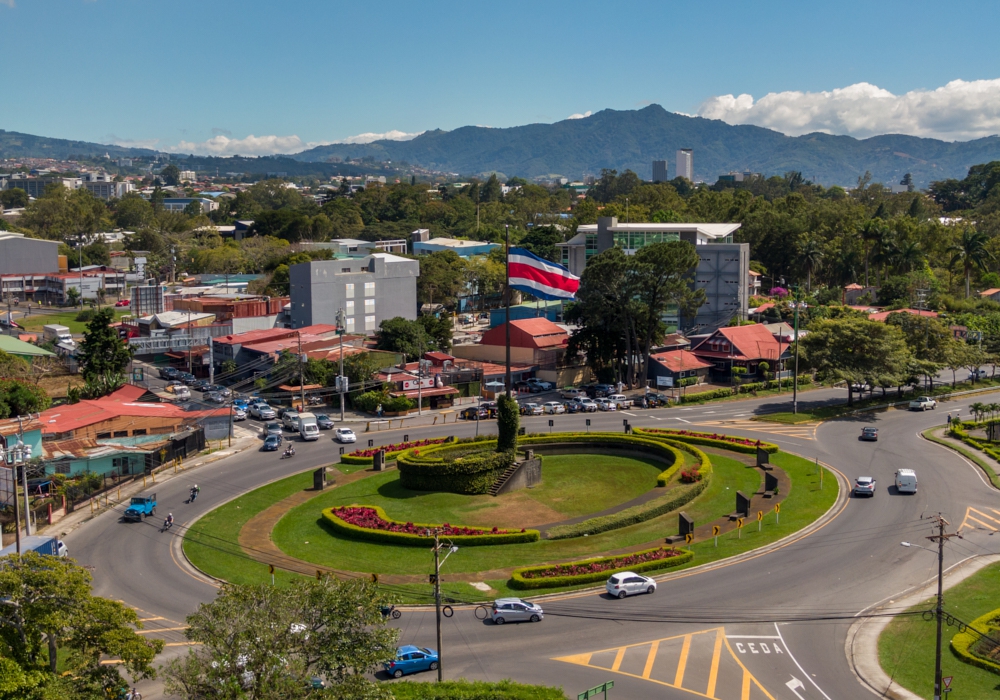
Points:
(906, 481)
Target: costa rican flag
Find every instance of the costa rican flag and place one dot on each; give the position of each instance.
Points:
(539, 277)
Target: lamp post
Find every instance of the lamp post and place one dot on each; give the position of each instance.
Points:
(940, 538)
(341, 328)
(438, 563)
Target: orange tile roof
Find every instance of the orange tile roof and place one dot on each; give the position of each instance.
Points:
(680, 360)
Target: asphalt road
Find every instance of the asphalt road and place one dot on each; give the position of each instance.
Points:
(768, 627)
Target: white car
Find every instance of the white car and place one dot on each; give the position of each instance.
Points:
(553, 407)
(544, 386)
(344, 435)
(627, 583)
(588, 405)
(604, 404)
(239, 414)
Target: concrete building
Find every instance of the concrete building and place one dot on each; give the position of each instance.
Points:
(355, 246)
(465, 249)
(369, 290)
(660, 171)
(180, 203)
(723, 269)
(19, 254)
(684, 166)
(188, 176)
(35, 186)
(103, 186)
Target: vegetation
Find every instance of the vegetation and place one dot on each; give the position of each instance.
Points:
(19, 397)
(598, 569)
(508, 423)
(474, 690)
(103, 356)
(372, 524)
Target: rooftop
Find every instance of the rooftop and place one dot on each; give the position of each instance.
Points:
(14, 346)
(680, 360)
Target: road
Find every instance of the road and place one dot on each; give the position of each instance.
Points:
(768, 627)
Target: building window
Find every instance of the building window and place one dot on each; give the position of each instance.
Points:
(121, 433)
(369, 306)
(349, 290)
(369, 289)
(345, 269)
(369, 323)
(62, 467)
(349, 306)
(102, 436)
(350, 324)
(565, 256)
(140, 431)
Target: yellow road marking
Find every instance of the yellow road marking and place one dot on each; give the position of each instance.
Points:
(682, 662)
(747, 676)
(160, 629)
(198, 644)
(653, 648)
(713, 673)
(989, 517)
(745, 695)
(980, 518)
(149, 619)
(969, 518)
(618, 659)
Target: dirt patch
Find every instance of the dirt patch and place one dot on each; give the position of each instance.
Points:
(513, 511)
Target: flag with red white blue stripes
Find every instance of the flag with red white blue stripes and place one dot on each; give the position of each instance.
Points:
(540, 277)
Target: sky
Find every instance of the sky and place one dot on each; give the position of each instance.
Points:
(255, 77)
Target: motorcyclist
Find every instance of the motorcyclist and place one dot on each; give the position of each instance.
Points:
(289, 451)
(194, 492)
(169, 521)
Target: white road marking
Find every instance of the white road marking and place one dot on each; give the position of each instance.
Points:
(792, 657)
(626, 413)
(682, 420)
(752, 636)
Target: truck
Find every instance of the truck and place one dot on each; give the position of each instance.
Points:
(140, 507)
(38, 543)
(57, 334)
(922, 403)
(308, 428)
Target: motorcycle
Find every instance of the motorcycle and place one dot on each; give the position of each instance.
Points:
(290, 452)
(391, 611)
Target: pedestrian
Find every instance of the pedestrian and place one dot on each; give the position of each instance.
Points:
(949, 419)
(378, 411)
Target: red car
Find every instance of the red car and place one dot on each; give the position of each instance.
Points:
(123, 302)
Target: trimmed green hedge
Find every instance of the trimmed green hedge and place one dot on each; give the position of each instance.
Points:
(474, 690)
(403, 538)
(962, 643)
(518, 581)
(469, 474)
(707, 439)
(389, 456)
(750, 387)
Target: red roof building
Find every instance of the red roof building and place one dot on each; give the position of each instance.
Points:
(741, 346)
(118, 415)
(883, 315)
(533, 341)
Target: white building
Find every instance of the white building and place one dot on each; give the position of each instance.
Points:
(188, 176)
(684, 167)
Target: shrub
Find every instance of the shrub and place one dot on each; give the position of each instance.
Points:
(391, 451)
(726, 442)
(474, 690)
(690, 476)
(964, 644)
(599, 569)
(508, 421)
(397, 405)
(85, 315)
(370, 400)
(474, 473)
(372, 524)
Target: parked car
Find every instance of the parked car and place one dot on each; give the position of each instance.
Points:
(271, 443)
(620, 401)
(553, 407)
(515, 610)
(978, 374)
(869, 433)
(627, 583)
(324, 421)
(345, 435)
(239, 414)
(262, 411)
(542, 385)
(168, 372)
(573, 407)
(922, 403)
(571, 392)
(474, 413)
(864, 486)
(605, 404)
(531, 409)
(600, 390)
(123, 302)
(411, 659)
(187, 377)
(588, 405)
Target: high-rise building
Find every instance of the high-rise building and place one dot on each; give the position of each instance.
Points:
(685, 164)
(660, 171)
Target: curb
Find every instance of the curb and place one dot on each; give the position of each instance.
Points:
(861, 646)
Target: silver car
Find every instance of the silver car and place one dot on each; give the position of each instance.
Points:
(262, 411)
(628, 583)
(515, 610)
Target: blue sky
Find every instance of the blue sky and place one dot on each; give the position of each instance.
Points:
(204, 76)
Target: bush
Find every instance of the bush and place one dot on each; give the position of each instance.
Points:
(367, 456)
(521, 578)
(397, 405)
(370, 400)
(474, 690)
(964, 644)
(411, 538)
(725, 442)
(474, 473)
(690, 476)
(508, 421)
(85, 315)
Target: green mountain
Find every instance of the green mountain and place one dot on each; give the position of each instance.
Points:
(633, 139)
(17, 145)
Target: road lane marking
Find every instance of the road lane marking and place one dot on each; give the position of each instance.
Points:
(747, 677)
(627, 413)
(160, 629)
(682, 662)
(648, 668)
(979, 518)
(713, 673)
(752, 636)
(682, 420)
(796, 661)
(618, 659)
(149, 619)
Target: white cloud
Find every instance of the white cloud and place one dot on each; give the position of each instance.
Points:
(958, 111)
(8, 3)
(133, 143)
(580, 116)
(224, 145)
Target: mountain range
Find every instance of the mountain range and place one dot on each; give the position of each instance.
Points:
(632, 139)
(614, 139)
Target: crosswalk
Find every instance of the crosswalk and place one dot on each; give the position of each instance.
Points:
(802, 431)
(981, 519)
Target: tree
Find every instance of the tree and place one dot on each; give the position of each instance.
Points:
(263, 643)
(72, 295)
(438, 329)
(229, 367)
(171, 175)
(857, 351)
(18, 397)
(103, 356)
(542, 240)
(810, 255)
(260, 251)
(442, 278)
(362, 367)
(972, 252)
(872, 233)
(406, 337)
(49, 613)
(930, 340)
(508, 421)
(14, 198)
(491, 191)
(132, 212)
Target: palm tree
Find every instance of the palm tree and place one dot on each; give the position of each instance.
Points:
(810, 255)
(971, 250)
(908, 256)
(978, 409)
(871, 232)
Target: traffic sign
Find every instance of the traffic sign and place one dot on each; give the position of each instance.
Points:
(715, 531)
(689, 538)
(777, 507)
(739, 528)
(432, 578)
(946, 681)
(760, 515)
(270, 567)
(739, 522)
(319, 574)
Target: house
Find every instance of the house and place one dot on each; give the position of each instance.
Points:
(25, 432)
(667, 369)
(18, 348)
(740, 346)
(533, 341)
(854, 292)
(991, 294)
(883, 315)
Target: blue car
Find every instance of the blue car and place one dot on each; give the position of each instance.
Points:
(271, 443)
(410, 659)
(241, 403)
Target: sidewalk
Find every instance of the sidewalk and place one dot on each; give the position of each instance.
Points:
(940, 434)
(243, 439)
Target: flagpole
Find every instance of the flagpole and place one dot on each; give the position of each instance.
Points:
(507, 382)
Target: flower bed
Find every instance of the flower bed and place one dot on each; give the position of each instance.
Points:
(391, 451)
(969, 647)
(371, 523)
(726, 442)
(594, 570)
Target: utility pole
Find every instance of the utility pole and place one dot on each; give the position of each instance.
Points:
(921, 305)
(437, 608)
(190, 343)
(941, 539)
(506, 293)
(24, 477)
(795, 374)
(302, 383)
(341, 329)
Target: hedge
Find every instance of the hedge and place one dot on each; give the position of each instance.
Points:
(518, 581)
(474, 690)
(719, 440)
(740, 389)
(387, 537)
(353, 458)
(962, 643)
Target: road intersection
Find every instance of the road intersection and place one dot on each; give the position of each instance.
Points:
(771, 626)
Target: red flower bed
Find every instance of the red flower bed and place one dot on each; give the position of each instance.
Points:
(397, 447)
(690, 476)
(368, 518)
(595, 567)
(711, 436)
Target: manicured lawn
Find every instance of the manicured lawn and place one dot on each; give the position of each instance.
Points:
(906, 647)
(36, 321)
